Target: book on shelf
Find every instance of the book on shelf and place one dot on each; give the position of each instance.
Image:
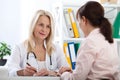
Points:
(76, 45)
(66, 52)
(73, 22)
(116, 26)
(68, 23)
(70, 51)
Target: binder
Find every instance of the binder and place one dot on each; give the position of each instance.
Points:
(116, 26)
(76, 45)
(66, 52)
(68, 23)
(73, 22)
(71, 50)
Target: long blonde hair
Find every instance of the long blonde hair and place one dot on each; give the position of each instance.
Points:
(30, 43)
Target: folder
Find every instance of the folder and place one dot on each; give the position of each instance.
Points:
(116, 26)
(73, 22)
(66, 52)
(71, 50)
(68, 23)
(76, 45)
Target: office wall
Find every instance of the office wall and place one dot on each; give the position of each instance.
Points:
(9, 21)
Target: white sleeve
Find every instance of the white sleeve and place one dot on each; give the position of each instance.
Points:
(61, 60)
(14, 62)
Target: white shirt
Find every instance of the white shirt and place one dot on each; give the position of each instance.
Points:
(18, 59)
(41, 64)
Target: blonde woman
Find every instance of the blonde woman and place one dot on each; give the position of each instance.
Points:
(38, 55)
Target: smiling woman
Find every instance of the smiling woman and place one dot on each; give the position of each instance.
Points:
(38, 55)
(42, 28)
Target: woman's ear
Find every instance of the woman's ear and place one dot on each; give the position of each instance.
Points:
(84, 19)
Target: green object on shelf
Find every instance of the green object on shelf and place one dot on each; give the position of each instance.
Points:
(116, 26)
(76, 45)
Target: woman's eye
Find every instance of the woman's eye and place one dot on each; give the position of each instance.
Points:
(48, 26)
(40, 24)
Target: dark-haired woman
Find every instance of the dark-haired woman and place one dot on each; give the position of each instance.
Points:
(97, 57)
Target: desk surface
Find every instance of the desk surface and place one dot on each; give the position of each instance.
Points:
(30, 78)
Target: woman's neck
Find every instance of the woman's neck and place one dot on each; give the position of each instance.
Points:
(39, 43)
(89, 29)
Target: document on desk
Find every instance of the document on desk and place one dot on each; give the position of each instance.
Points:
(30, 78)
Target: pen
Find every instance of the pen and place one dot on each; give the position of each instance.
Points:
(30, 65)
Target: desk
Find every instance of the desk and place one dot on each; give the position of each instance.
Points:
(3, 71)
(30, 78)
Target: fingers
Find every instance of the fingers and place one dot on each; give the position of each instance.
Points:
(58, 74)
(63, 69)
(42, 72)
(29, 71)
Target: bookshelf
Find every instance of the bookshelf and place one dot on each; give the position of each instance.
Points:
(110, 13)
(58, 13)
(66, 40)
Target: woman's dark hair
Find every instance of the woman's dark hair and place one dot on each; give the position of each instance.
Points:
(94, 12)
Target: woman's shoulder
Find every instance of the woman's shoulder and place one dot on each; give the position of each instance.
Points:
(56, 46)
(57, 49)
(20, 45)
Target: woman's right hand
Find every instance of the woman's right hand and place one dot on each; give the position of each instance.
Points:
(29, 71)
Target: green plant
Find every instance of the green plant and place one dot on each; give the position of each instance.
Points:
(4, 49)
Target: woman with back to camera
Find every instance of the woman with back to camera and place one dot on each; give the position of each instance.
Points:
(97, 57)
(37, 55)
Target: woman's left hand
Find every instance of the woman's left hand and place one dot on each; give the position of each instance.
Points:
(64, 69)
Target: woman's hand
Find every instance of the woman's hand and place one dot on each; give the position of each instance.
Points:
(45, 72)
(42, 72)
(29, 71)
(64, 69)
